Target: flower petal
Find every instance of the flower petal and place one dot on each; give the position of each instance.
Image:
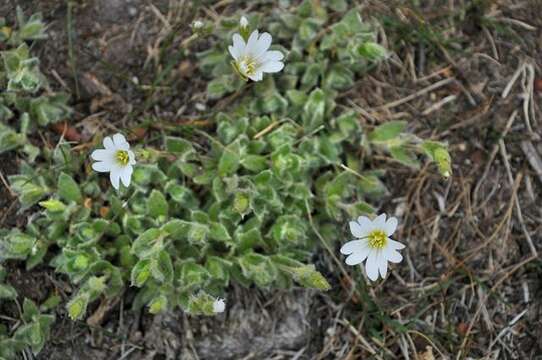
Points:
(120, 142)
(262, 45)
(258, 76)
(272, 66)
(394, 256)
(108, 143)
(272, 55)
(101, 155)
(366, 224)
(380, 222)
(131, 156)
(359, 254)
(351, 246)
(395, 245)
(126, 175)
(371, 266)
(383, 266)
(114, 176)
(238, 46)
(102, 166)
(356, 229)
(251, 42)
(391, 225)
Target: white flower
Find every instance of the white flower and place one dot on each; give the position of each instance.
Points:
(219, 305)
(252, 58)
(374, 244)
(198, 24)
(116, 158)
(243, 22)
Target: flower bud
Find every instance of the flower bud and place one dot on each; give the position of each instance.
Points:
(372, 51)
(244, 28)
(243, 22)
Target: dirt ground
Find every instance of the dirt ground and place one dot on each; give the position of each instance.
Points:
(470, 285)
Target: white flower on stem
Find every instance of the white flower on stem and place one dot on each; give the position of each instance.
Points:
(219, 305)
(243, 22)
(374, 244)
(117, 159)
(254, 58)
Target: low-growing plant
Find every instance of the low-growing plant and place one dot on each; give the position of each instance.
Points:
(26, 101)
(240, 205)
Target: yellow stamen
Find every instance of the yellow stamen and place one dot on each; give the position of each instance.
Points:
(122, 157)
(247, 66)
(377, 239)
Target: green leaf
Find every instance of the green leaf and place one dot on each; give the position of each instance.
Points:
(314, 110)
(297, 97)
(158, 304)
(30, 310)
(229, 161)
(337, 5)
(179, 146)
(339, 77)
(404, 156)
(200, 304)
(50, 109)
(372, 51)
(147, 243)
(53, 205)
(219, 232)
(258, 268)
(308, 30)
(310, 278)
(241, 202)
(438, 152)
(140, 272)
(18, 245)
(352, 21)
(51, 303)
(9, 139)
(29, 192)
(161, 267)
(192, 275)
(7, 292)
(312, 74)
(289, 229)
(387, 131)
(255, 163)
(218, 268)
(68, 189)
(78, 306)
(157, 205)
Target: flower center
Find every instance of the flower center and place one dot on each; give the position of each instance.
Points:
(377, 239)
(122, 157)
(247, 66)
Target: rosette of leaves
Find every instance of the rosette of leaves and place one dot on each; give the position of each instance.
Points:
(26, 101)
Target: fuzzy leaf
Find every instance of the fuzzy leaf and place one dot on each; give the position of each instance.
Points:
(157, 205)
(161, 267)
(68, 189)
(387, 131)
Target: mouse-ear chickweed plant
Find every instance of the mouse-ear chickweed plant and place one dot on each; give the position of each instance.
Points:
(26, 102)
(240, 205)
